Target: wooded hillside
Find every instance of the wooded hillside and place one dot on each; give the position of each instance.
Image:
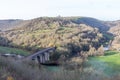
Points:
(71, 35)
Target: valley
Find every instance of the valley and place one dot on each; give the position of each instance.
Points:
(86, 48)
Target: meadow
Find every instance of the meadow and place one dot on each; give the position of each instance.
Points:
(109, 64)
(6, 50)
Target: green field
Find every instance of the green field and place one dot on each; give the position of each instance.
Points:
(4, 50)
(109, 64)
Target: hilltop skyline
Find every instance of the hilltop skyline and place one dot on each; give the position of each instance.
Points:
(28, 9)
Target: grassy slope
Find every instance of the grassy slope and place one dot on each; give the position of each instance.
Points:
(108, 64)
(13, 51)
